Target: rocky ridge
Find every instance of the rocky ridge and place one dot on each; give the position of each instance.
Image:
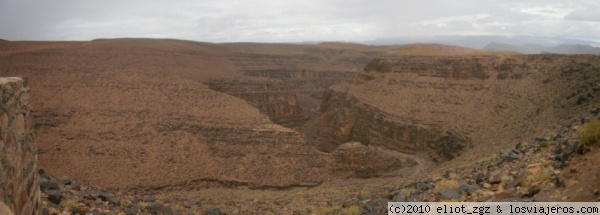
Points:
(465, 102)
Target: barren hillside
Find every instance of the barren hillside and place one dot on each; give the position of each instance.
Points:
(148, 115)
(144, 113)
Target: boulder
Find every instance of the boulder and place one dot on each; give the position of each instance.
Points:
(64, 180)
(466, 188)
(450, 194)
(132, 209)
(48, 185)
(54, 196)
(213, 211)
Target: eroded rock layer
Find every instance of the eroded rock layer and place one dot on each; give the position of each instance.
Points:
(167, 114)
(450, 104)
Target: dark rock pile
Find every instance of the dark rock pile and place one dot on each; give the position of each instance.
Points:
(517, 174)
(63, 196)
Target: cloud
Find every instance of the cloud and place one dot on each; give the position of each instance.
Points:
(291, 20)
(585, 14)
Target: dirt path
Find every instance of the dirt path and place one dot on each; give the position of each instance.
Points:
(424, 163)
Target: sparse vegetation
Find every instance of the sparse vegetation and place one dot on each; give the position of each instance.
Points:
(179, 208)
(590, 134)
(124, 202)
(326, 211)
(445, 184)
(69, 203)
(352, 210)
(536, 177)
(143, 204)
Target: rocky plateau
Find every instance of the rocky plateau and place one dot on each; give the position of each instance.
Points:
(157, 126)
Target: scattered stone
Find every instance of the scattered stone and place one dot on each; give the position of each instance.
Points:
(560, 181)
(534, 168)
(48, 185)
(155, 208)
(466, 188)
(495, 177)
(450, 194)
(213, 211)
(103, 196)
(501, 196)
(487, 185)
(132, 209)
(543, 138)
(148, 198)
(50, 211)
(80, 209)
(64, 180)
(399, 197)
(534, 190)
(114, 201)
(54, 196)
(596, 192)
(582, 149)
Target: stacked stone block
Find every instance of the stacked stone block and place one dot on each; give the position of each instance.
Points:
(19, 182)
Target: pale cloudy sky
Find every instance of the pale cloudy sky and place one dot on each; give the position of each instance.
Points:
(295, 20)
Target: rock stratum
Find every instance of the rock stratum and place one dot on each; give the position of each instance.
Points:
(148, 114)
(455, 104)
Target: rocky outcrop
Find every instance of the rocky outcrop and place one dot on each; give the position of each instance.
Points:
(538, 169)
(297, 78)
(273, 99)
(449, 104)
(345, 119)
(356, 160)
(19, 187)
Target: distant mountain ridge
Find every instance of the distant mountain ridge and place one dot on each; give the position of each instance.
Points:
(537, 49)
(518, 43)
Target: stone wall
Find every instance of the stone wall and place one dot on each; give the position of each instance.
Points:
(19, 183)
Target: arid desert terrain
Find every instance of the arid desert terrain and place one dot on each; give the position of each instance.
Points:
(173, 126)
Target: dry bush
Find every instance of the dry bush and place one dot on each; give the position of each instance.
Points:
(445, 184)
(590, 134)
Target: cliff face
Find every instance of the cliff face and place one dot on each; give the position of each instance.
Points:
(345, 119)
(448, 105)
(287, 86)
(273, 98)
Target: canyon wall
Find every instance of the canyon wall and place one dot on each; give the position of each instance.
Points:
(273, 98)
(345, 119)
(448, 105)
(19, 185)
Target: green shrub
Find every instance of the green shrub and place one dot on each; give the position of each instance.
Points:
(590, 134)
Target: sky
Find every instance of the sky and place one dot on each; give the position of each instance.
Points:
(295, 20)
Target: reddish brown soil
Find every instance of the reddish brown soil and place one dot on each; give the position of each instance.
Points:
(145, 114)
(130, 113)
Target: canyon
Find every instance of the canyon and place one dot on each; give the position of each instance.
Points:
(158, 115)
